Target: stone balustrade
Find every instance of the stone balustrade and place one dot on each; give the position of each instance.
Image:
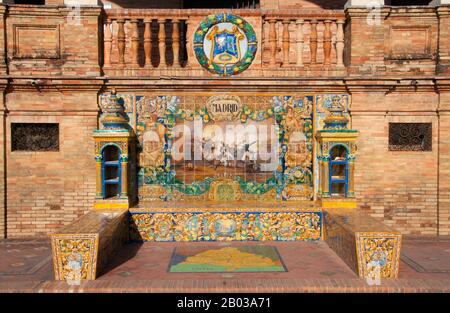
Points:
(141, 39)
(303, 40)
(159, 42)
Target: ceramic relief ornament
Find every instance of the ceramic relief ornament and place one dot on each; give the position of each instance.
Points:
(225, 44)
(226, 226)
(336, 118)
(113, 113)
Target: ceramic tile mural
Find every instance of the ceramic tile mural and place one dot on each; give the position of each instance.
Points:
(211, 226)
(278, 163)
(265, 154)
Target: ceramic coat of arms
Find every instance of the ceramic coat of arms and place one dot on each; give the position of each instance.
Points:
(225, 44)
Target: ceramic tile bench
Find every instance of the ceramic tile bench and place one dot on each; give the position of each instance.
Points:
(82, 249)
(365, 244)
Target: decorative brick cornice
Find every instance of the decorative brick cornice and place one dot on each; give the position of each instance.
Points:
(84, 11)
(350, 85)
(387, 11)
(30, 10)
(55, 84)
(370, 85)
(362, 13)
(442, 85)
(443, 11)
(419, 12)
(389, 85)
(3, 84)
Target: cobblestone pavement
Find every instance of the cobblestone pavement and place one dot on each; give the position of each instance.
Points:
(25, 266)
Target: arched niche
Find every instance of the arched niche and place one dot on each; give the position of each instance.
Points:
(338, 171)
(111, 171)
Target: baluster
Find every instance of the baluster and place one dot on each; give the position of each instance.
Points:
(134, 43)
(299, 42)
(286, 42)
(273, 42)
(108, 43)
(340, 43)
(121, 41)
(176, 42)
(313, 41)
(162, 42)
(263, 40)
(327, 42)
(148, 42)
(188, 42)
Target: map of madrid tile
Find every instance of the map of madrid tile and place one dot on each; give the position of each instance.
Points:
(227, 259)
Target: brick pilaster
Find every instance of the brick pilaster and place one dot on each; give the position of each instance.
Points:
(443, 66)
(365, 40)
(444, 157)
(2, 163)
(2, 39)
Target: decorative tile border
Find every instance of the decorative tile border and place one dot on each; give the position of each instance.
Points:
(378, 249)
(74, 253)
(372, 254)
(222, 226)
(82, 249)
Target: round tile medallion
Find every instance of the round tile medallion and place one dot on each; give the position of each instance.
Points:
(225, 44)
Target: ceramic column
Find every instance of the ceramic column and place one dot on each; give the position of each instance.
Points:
(124, 165)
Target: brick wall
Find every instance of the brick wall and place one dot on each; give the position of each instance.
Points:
(53, 41)
(2, 171)
(49, 189)
(117, 4)
(392, 41)
(365, 43)
(320, 4)
(398, 187)
(444, 40)
(444, 163)
(411, 43)
(264, 4)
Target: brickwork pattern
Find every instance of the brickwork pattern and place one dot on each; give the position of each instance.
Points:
(444, 40)
(50, 189)
(398, 187)
(2, 175)
(70, 38)
(444, 168)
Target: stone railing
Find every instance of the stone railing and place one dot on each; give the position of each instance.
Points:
(145, 39)
(293, 39)
(159, 42)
